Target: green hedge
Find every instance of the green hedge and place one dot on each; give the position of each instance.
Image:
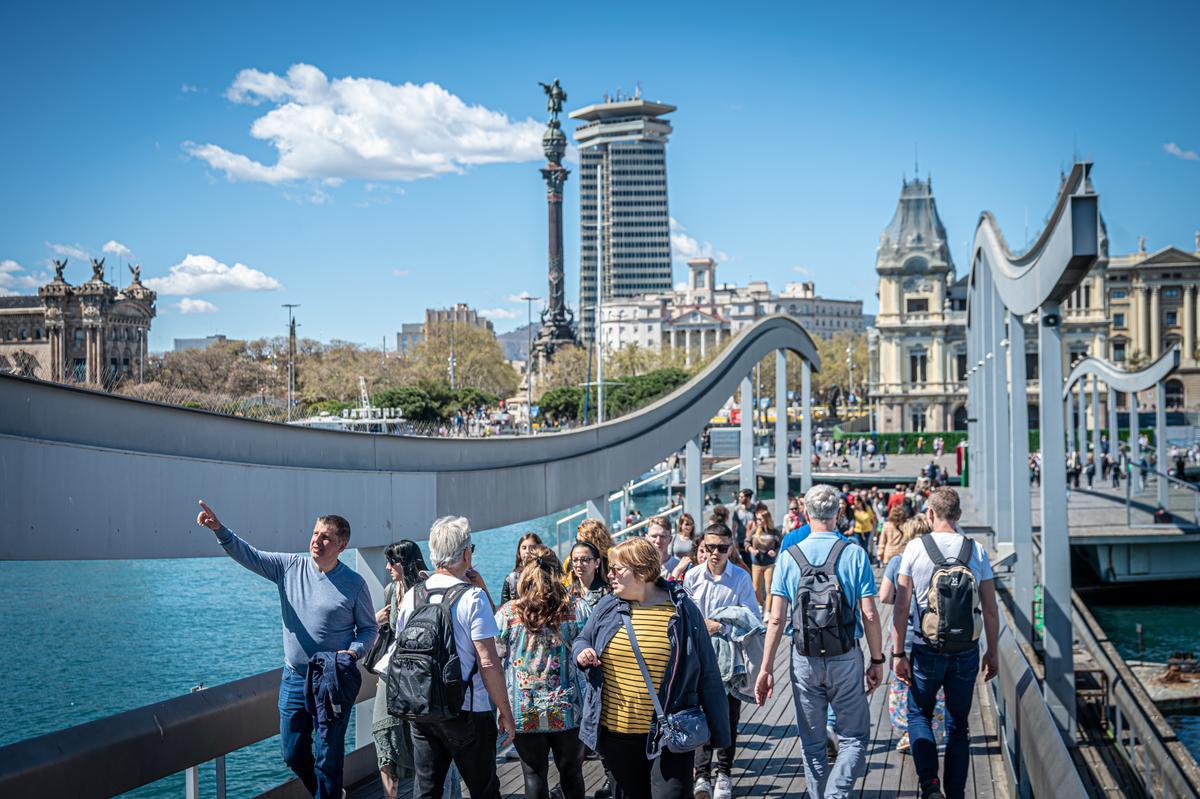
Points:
(953, 438)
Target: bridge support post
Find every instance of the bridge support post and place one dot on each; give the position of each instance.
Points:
(693, 498)
(987, 493)
(372, 567)
(781, 438)
(806, 439)
(1081, 387)
(1069, 412)
(1022, 516)
(1096, 422)
(1160, 441)
(1135, 446)
(1001, 396)
(1114, 439)
(747, 476)
(597, 508)
(1059, 687)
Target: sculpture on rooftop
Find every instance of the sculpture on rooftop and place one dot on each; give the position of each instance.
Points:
(555, 97)
(136, 269)
(98, 270)
(59, 266)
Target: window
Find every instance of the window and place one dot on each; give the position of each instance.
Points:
(1118, 320)
(1119, 351)
(917, 363)
(1171, 293)
(1118, 294)
(916, 305)
(1174, 391)
(1172, 318)
(960, 365)
(1031, 366)
(79, 336)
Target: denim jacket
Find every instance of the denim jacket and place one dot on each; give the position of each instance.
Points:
(692, 677)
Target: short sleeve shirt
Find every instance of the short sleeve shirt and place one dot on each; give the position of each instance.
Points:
(853, 572)
(916, 565)
(473, 621)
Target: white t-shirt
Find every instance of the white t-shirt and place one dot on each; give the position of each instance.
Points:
(916, 565)
(474, 620)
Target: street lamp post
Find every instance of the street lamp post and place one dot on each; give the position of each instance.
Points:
(529, 301)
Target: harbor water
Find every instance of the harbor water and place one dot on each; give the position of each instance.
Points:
(109, 636)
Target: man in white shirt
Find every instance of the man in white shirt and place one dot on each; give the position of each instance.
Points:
(932, 669)
(470, 739)
(714, 585)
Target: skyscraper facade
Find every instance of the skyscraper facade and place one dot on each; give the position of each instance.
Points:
(624, 143)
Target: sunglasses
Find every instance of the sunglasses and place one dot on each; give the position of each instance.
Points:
(719, 548)
(583, 561)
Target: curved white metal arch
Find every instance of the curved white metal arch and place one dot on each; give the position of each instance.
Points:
(1116, 378)
(92, 475)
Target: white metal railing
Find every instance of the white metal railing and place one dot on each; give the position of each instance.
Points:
(1136, 473)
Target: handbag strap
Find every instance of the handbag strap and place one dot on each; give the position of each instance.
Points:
(637, 653)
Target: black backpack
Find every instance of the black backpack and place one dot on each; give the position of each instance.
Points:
(823, 620)
(952, 620)
(424, 677)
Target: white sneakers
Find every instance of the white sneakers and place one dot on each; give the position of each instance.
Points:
(702, 789)
(724, 788)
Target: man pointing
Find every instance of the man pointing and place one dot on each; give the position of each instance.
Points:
(326, 607)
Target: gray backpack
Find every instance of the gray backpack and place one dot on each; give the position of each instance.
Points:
(823, 620)
(952, 620)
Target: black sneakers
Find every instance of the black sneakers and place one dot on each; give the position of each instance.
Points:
(932, 791)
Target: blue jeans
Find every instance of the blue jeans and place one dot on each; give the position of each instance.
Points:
(322, 775)
(955, 674)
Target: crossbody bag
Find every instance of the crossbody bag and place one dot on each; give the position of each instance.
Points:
(679, 732)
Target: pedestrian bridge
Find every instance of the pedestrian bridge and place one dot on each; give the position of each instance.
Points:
(72, 459)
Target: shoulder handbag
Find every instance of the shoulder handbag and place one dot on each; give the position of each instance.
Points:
(384, 640)
(679, 732)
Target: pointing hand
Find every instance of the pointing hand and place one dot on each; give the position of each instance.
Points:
(206, 518)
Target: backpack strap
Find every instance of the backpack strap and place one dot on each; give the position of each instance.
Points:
(966, 550)
(798, 556)
(933, 550)
(830, 565)
(449, 600)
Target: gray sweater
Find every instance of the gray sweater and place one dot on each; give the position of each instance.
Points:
(322, 612)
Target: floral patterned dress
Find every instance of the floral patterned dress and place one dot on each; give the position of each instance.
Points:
(543, 682)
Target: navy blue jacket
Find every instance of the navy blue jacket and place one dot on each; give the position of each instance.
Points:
(331, 686)
(692, 677)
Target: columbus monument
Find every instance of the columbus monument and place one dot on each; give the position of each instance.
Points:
(556, 331)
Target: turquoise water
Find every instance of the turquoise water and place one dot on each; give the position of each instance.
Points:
(110, 636)
(1166, 629)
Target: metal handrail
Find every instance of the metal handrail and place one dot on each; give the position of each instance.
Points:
(621, 535)
(122, 752)
(1140, 733)
(1192, 487)
(617, 494)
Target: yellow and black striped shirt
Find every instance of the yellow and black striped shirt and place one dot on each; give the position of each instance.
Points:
(626, 706)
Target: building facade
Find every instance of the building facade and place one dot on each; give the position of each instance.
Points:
(623, 175)
(917, 348)
(412, 334)
(700, 318)
(90, 333)
(182, 344)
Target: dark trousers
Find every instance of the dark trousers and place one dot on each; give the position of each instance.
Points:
(321, 775)
(668, 776)
(470, 741)
(955, 674)
(704, 754)
(534, 749)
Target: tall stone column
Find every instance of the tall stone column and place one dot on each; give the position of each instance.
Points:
(1155, 321)
(1189, 323)
(1141, 312)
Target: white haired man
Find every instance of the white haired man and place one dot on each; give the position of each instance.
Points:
(470, 739)
(827, 660)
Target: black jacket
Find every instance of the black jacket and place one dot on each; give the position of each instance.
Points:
(692, 677)
(331, 686)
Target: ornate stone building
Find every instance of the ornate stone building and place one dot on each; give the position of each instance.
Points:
(703, 316)
(90, 333)
(918, 352)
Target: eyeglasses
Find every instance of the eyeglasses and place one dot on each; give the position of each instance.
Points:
(583, 561)
(617, 568)
(720, 548)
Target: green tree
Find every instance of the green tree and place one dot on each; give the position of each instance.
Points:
(562, 404)
(479, 361)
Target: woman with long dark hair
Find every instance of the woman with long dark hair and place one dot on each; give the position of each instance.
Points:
(585, 581)
(527, 544)
(537, 630)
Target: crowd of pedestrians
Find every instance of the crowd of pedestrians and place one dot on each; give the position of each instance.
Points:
(642, 653)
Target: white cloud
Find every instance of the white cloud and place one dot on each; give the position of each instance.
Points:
(1177, 151)
(681, 286)
(400, 273)
(345, 128)
(10, 279)
(117, 248)
(190, 305)
(520, 297)
(499, 313)
(684, 247)
(802, 270)
(188, 88)
(199, 274)
(69, 250)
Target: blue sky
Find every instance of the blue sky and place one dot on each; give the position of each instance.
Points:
(132, 123)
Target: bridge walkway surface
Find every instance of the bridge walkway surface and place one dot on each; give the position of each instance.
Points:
(769, 758)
